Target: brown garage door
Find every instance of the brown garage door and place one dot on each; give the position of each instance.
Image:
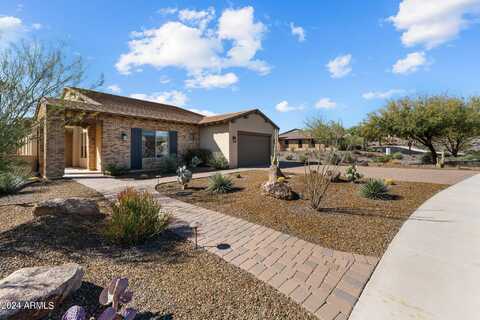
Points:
(253, 149)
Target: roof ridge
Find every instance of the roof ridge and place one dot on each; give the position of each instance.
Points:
(136, 99)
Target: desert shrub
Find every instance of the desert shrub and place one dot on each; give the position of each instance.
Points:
(218, 161)
(114, 169)
(383, 159)
(397, 156)
(13, 180)
(203, 154)
(334, 159)
(196, 161)
(389, 181)
(302, 158)
(374, 189)
(426, 158)
(136, 217)
(317, 180)
(289, 156)
(348, 157)
(168, 164)
(352, 174)
(218, 183)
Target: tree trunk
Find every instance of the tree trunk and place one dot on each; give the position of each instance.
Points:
(433, 152)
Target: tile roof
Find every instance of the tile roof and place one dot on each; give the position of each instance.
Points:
(295, 134)
(94, 101)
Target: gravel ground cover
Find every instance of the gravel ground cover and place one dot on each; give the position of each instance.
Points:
(348, 223)
(170, 279)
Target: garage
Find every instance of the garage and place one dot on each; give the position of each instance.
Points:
(253, 149)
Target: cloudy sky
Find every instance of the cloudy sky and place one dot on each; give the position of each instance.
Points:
(334, 59)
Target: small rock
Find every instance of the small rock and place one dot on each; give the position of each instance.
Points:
(81, 206)
(36, 291)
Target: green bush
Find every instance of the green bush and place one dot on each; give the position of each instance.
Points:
(218, 161)
(348, 158)
(218, 183)
(13, 180)
(383, 159)
(168, 164)
(334, 159)
(303, 158)
(374, 189)
(114, 169)
(203, 154)
(352, 174)
(136, 217)
(397, 156)
(426, 158)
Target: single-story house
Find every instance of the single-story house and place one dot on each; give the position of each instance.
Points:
(297, 140)
(90, 129)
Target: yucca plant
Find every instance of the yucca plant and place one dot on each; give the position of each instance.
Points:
(136, 217)
(218, 183)
(374, 189)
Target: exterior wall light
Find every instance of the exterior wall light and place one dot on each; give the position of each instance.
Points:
(234, 139)
(124, 136)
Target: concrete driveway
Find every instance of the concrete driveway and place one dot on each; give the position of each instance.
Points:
(440, 176)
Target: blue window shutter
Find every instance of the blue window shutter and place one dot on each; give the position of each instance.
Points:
(172, 138)
(136, 149)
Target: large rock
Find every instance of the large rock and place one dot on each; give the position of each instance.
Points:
(32, 293)
(279, 190)
(78, 206)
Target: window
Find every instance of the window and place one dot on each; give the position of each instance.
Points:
(312, 143)
(286, 142)
(83, 144)
(300, 143)
(154, 144)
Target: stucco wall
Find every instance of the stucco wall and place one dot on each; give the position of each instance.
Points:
(216, 139)
(252, 123)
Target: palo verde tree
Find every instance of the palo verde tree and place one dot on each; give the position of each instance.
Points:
(28, 72)
(463, 124)
(330, 133)
(428, 120)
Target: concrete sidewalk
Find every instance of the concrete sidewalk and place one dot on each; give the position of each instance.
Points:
(431, 270)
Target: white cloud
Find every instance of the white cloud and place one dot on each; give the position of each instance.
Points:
(190, 45)
(167, 11)
(203, 112)
(285, 107)
(114, 88)
(411, 63)
(325, 103)
(340, 66)
(212, 81)
(164, 80)
(433, 22)
(297, 31)
(37, 26)
(197, 18)
(10, 29)
(239, 26)
(382, 94)
(174, 97)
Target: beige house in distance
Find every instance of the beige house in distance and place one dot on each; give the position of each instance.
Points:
(297, 140)
(90, 130)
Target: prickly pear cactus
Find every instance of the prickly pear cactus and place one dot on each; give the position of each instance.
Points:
(184, 176)
(75, 313)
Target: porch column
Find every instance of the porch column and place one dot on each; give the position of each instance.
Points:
(53, 164)
(92, 151)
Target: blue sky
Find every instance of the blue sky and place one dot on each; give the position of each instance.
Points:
(334, 59)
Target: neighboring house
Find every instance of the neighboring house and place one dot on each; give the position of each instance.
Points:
(91, 130)
(297, 140)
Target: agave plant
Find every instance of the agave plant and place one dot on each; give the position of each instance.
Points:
(116, 296)
(184, 176)
(218, 183)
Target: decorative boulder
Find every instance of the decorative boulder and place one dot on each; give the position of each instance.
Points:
(334, 176)
(32, 293)
(78, 206)
(279, 190)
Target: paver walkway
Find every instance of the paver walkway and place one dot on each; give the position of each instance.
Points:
(325, 282)
(431, 270)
